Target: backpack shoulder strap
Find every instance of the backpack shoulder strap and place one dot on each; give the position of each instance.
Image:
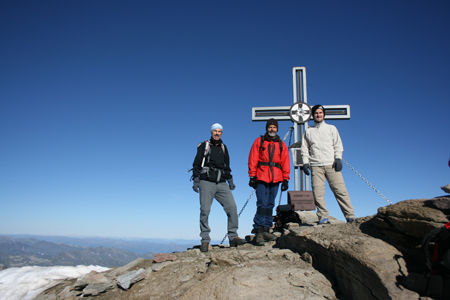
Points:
(261, 144)
(281, 147)
(207, 149)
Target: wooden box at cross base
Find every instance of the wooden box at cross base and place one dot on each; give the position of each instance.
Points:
(301, 200)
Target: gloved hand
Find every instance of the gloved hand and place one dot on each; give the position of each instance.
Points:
(306, 169)
(284, 185)
(252, 182)
(231, 184)
(337, 165)
(196, 186)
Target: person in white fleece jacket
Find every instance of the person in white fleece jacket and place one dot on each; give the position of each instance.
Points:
(322, 157)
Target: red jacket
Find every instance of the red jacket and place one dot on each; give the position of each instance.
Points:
(258, 161)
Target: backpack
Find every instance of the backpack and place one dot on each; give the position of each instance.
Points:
(207, 152)
(436, 245)
(270, 163)
(261, 145)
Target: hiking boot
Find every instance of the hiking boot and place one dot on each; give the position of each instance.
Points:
(350, 220)
(204, 247)
(237, 241)
(268, 236)
(259, 239)
(324, 221)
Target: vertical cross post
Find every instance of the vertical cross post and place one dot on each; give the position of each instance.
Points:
(299, 95)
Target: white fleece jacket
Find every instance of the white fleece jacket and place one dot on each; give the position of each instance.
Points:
(321, 145)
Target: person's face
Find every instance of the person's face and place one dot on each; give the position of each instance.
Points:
(272, 130)
(216, 134)
(318, 115)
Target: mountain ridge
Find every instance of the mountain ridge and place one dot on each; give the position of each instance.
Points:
(19, 252)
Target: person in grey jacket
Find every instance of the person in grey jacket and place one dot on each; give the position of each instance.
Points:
(211, 172)
(321, 152)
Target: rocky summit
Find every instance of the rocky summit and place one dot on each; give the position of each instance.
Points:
(378, 257)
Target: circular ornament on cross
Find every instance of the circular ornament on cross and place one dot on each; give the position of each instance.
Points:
(300, 112)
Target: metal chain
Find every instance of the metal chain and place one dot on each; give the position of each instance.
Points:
(246, 202)
(367, 182)
(242, 209)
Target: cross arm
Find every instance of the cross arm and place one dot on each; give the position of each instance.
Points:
(281, 113)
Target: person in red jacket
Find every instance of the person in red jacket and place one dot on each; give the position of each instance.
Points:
(268, 166)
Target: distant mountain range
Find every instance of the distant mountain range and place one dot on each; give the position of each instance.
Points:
(26, 250)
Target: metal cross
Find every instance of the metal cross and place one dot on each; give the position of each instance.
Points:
(283, 113)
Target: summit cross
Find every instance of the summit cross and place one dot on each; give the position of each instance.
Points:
(294, 114)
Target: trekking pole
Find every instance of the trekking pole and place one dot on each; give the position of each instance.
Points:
(279, 200)
(285, 137)
(240, 212)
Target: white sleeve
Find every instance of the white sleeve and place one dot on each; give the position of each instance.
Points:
(337, 144)
(304, 150)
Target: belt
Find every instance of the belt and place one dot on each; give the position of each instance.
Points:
(270, 164)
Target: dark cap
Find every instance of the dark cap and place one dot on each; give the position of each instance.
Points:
(271, 122)
(316, 107)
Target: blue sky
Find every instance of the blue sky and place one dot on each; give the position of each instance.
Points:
(102, 104)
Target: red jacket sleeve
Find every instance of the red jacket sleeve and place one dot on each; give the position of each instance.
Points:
(285, 162)
(253, 158)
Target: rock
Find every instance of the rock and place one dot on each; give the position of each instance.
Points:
(412, 218)
(93, 289)
(291, 226)
(195, 250)
(128, 267)
(363, 267)
(405, 224)
(307, 257)
(126, 280)
(441, 203)
(159, 266)
(446, 188)
(161, 257)
(93, 284)
(307, 217)
(67, 292)
(277, 234)
(92, 277)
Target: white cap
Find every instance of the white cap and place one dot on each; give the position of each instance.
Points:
(216, 126)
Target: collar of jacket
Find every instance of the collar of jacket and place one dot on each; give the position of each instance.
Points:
(214, 142)
(267, 137)
(319, 124)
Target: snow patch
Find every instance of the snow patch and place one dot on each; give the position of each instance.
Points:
(27, 282)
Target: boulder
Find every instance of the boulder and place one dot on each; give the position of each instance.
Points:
(93, 289)
(361, 266)
(93, 284)
(126, 280)
(128, 267)
(405, 224)
(92, 277)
